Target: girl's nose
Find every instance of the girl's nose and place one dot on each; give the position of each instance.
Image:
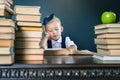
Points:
(54, 31)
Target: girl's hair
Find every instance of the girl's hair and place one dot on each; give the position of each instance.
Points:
(55, 19)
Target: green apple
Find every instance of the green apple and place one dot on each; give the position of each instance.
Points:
(108, 17)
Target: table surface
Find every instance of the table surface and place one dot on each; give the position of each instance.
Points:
(68, 61)
(72, 67)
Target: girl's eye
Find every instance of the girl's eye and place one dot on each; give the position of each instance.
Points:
(56, 29)
(49, 30)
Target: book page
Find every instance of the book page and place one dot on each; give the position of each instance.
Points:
(54, 48)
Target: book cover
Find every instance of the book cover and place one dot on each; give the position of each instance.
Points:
(7, 8)
(109, 46)
(31, 10)
(108, 30)
(29, 51)
(30, 61)
(29, 57)
(7, 59)
(3, 17)
(30, 24)
(6, 50)
(5, 2)
(7, 35)
(27, 34)
(112, 52)
(27, 44)
(5, 14)
(103, 26)
(6, 43)
(107, 41)
(109, 35)
(30, 28)
(56, 51)
(7, 22)
(31, 18)
(28, 39)
(10, 2)
(7, 30)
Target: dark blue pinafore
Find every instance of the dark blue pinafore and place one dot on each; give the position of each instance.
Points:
(49, 42)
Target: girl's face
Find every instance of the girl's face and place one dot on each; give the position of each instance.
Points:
(54, 29)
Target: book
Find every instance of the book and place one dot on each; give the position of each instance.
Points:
(65, 51)
(30, 24)
(7, 22)
(106, 57)
(7, 36)
(7, 8)
(112, 52)
(28, 39)
(108, 30)
(108, 35)
(27, 34)
(29, 57)
(106, 61)
(7, 30)
(107, 41)
(29, 51)
(7, 59)
(10, 2)
(6, 50)
(56, 51)
(3, 17)
(103, 26)
(31, 10)
(109, 46)
(6, 2)
(3, 1)
(5, 14)
(84, 52)
(27, 44)
(30, 61)
(6, 43)
(30, 28)
(31, 18)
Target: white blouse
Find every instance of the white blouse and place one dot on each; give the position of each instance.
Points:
(57, 44)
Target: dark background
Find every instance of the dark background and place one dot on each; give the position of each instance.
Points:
(78, 16)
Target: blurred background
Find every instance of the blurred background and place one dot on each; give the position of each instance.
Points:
(78, 16)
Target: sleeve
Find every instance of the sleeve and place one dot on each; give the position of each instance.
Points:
(46, 46)
(69, 42)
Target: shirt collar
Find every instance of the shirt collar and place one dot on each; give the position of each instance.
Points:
(59, 40)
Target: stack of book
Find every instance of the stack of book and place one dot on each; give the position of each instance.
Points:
(7, 33)
(5, 9)
(108, 40)
(28, 35)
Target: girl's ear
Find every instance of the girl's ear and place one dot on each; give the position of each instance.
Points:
(62, 28)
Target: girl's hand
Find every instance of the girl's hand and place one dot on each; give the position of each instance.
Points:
(72, 49)
(47, 35)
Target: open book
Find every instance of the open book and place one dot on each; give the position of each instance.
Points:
(64, 51)
(56, 51)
